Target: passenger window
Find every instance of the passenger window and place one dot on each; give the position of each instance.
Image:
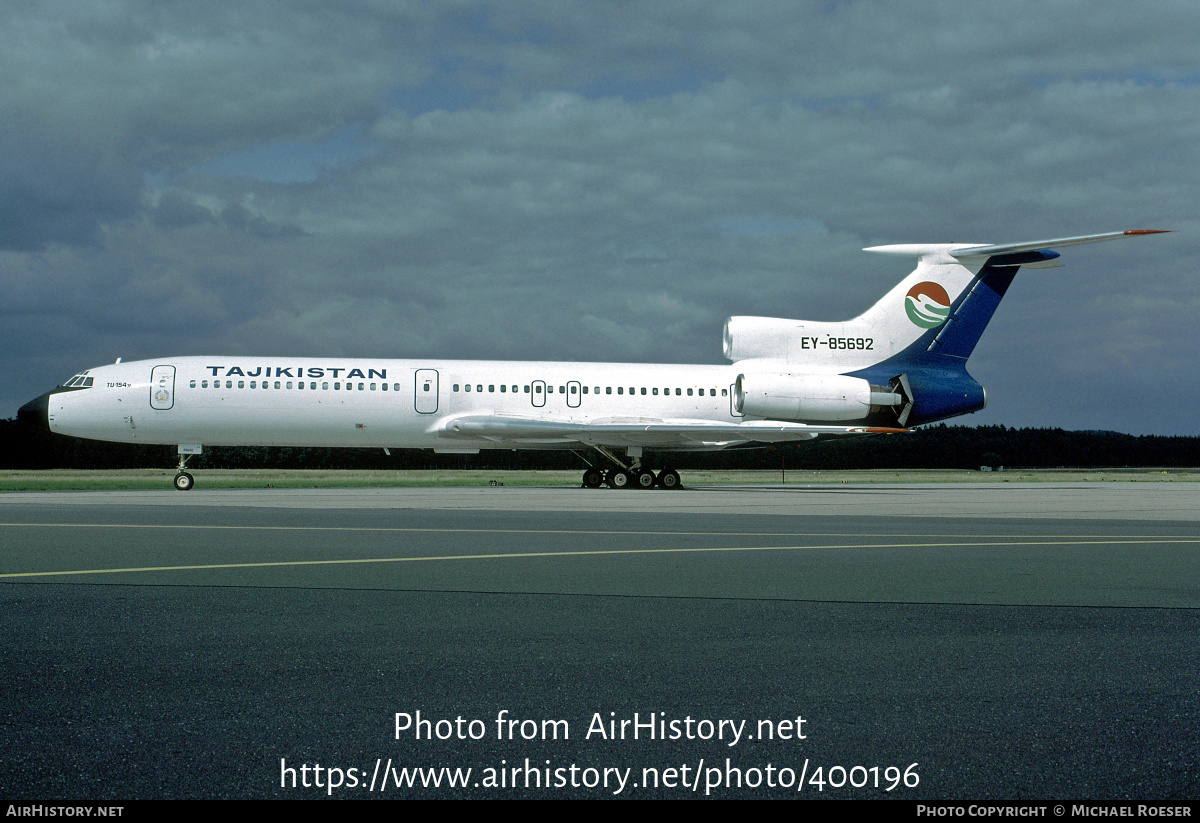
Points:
(655, 392)
(276, 384)
(678, 392)
(204, 384)
(689, 392)
(620, 389)
(478, 387)
(324, 386)
(360, 387)
(724, 392)
(515, 389)
(644, 390)
(503, 388)
(192, 384)
(468, 387)
(585, 390)
(574, 389)
(549, 390)
(537, 389)
(383, 386)
(608, 389)
(241, 384)
(254, 384)
(527, 390)
(491, 388)
(372, 387)
(229, 384)
(289, 384)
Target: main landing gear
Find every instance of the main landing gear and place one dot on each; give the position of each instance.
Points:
(631, 476)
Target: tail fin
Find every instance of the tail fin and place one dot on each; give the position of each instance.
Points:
(956, 288)
(918, 337)
(942, 307)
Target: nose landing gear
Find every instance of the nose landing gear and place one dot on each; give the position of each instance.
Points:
(183, 481)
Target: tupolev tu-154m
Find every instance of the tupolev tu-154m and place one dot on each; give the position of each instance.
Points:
(900, 364)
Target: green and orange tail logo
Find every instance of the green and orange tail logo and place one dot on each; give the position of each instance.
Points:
(927, 305)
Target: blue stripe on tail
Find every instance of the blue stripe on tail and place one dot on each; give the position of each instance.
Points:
(935, 364)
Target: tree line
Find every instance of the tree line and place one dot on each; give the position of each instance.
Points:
(931, 447)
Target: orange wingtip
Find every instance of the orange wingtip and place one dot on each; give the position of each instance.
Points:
(1148, 231)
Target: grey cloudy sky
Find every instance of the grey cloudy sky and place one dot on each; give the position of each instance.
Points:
(596, 181)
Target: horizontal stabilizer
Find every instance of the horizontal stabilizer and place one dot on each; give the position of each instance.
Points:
(1038, 245)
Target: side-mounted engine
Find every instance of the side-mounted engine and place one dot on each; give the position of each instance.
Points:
(811, 397)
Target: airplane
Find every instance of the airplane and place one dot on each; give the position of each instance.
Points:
(900, 364)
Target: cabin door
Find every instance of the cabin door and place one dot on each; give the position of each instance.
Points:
(426, 398)
(162, 387)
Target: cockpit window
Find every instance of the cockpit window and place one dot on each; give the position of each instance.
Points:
(79, 381)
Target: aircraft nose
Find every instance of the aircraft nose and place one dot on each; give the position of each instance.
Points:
(36, 413)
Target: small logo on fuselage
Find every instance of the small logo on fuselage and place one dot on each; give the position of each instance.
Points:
(927, 305)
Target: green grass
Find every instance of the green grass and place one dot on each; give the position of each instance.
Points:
(160, 479)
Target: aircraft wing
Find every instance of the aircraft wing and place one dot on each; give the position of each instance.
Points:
(650, 432)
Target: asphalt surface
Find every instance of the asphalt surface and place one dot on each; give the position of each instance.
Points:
(225, 644)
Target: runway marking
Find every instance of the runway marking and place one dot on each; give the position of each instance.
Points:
(430, 530)
(580, 553)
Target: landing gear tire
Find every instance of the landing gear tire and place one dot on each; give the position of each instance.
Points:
(669, 479)
(184, 482)
(592, 478)
(643, 479)
(618, 479)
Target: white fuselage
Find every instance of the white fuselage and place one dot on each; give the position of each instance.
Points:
(342, 402)
(901, 363)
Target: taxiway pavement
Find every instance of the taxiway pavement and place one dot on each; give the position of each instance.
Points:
(1033, 641)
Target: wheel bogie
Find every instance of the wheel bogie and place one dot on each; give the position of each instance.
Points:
(184, 482)
(592, 478)
(669, 479)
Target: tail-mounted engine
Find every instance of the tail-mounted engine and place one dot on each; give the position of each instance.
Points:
(813, 397)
